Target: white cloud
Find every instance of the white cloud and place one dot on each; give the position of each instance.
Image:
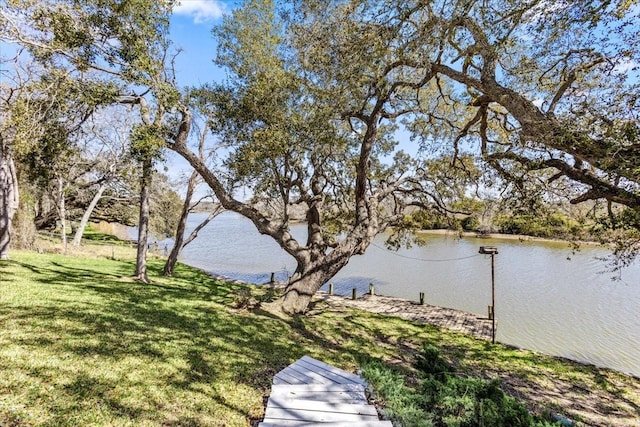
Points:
(200, 10)
(626, 65)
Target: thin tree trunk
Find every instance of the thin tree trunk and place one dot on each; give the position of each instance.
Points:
(8, 199)
(87, 214)
(192, 236)
(143, 223)
(180, 241)
(182, 225)
(62, 210)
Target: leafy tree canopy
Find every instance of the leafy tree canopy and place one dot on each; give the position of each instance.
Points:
(543, 92)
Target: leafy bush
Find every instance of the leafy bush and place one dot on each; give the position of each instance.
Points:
(444, 398)
(402, 404)
(428, 220)
(470, 223)
(469, 402)
(554, 224)
(243, 298)
(429, 362)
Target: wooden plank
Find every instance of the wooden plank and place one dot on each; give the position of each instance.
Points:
(287, 378)
(302, 376)
(315, 375)
(321, 396)
(332, 375)
(343, 407)
(314, 405)
(320, 387)
(354, 378)
(293, 423)
(273, 414)
(279, 381)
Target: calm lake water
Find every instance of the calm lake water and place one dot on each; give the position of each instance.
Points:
(547, 298)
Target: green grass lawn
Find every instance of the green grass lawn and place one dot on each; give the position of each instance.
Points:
(82, 344)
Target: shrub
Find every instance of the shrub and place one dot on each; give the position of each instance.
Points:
(244, 299)
(402, 404)
(430, 362)
(470, 223)
(469, 402)
(444, 398)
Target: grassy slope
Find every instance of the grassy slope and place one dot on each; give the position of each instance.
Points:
(83, 344)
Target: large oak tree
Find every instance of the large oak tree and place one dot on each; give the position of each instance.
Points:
(544, 92)
(303, 138)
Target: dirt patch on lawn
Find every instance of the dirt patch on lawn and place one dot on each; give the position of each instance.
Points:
(606, 399)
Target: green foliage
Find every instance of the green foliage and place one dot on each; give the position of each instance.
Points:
(429, 220)
(237, 47)
(51, 152)
(629, 218)
(470, 402)
(445, 398)
(147, 142)
(165, 207)
(547, 225)
(622, 226)
(401, 403)
(430, 362)
(124, 37)
(470, 223)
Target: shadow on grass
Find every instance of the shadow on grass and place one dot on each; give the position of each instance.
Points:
(175, 334)
(90, 345)
(105, 336)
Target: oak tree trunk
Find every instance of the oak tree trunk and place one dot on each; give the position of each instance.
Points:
(143, 223)
(308, 279)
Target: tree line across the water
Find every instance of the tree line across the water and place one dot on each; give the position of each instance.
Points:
(521, 116)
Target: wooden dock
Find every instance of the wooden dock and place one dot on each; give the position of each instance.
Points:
(310, 392)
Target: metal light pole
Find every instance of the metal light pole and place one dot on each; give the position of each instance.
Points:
(492, 250)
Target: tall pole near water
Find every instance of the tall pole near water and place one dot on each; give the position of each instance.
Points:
(492, 250)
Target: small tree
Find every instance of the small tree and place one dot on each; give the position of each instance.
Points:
(146, 142)
(187, 207)
(107, 145)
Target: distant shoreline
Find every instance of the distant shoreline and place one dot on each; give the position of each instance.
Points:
(501, 236)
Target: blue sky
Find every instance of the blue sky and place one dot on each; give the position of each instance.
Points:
(190, 31)
(191, 27)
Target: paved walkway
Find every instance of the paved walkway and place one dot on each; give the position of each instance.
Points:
(455, 320)
(311, 393)
(449, 318)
